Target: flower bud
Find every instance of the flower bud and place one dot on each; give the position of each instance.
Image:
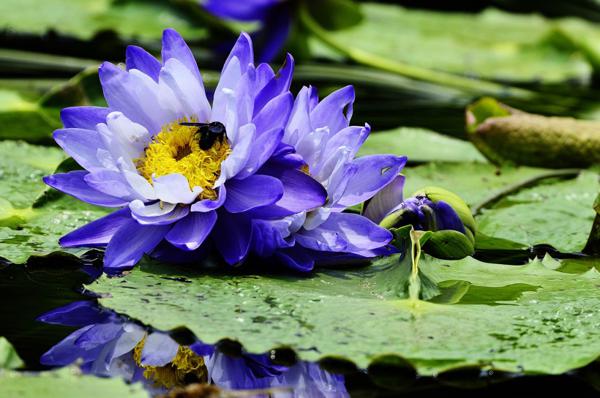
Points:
(433, 209)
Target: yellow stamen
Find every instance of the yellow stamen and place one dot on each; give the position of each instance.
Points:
(176, 150)
(186, 366)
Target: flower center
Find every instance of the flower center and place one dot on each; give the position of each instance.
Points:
(185, 368)
(176, 149)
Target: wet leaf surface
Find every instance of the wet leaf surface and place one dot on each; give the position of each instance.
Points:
(555, 213)
(421, 145)
(65, 383)
(25, 230)
(491, 45)
(529, 318)
(83, 19)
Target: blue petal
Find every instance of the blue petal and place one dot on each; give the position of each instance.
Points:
(208, 204)
(246, 10)
(275, 32)
(79, 313)
(296, 258)
(232, 236)
(262, 149)
(83, 117)
(274, 114)
(154, 215)
(242, 50)
(73, 183)
(136, 95)
(202, 349)
(66, 352)
(97, 233)
(301, 193)
(252, 192)
(279, 84)
(111, 183)
(285, 156)
(173, 46)
(447, 218)
(345, 232)
(159, 349)
(334, 111)
(373, 173)
(138, 58)
(82, 145)
(189, 233)
(267, 238)
(100, 333)
(130, 243)
(385, 201)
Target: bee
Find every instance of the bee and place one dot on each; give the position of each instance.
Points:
(209, 133)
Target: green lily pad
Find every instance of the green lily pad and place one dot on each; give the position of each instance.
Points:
(492, 45)
(474, 182)
(24, 119)
(24, 229)
(142, 20)
(556, 213)
(522, 319)
(9, 359)
(421, 145)
(65, 383)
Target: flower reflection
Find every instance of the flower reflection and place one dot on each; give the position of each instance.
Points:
(109, 345)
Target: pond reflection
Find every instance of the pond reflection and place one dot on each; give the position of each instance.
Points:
(109, 345)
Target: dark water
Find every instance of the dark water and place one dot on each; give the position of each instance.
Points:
(46, 283)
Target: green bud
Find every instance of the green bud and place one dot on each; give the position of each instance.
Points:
(449, 245)
(436, 194)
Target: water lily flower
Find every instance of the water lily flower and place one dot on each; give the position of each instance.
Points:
(181, 171)
(319, 138)
(109, 345)
(274, 17)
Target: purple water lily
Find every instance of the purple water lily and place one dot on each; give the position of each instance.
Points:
(274, 17)
(178, 186)
(107, 344)
(419, 211)
(319, 139)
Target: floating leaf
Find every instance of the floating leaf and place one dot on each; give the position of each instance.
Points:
(492, 45)
(9, 359)
(421, 145)
(23, 119)
(65, 383)
(473, 182)
(143, 20)
(25, 230)
(522, 319)
(555, 213)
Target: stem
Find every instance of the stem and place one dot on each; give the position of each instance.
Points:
(411, 71)
(494, 198)
(414, 286)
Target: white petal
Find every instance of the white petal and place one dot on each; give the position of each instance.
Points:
(174, 188)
